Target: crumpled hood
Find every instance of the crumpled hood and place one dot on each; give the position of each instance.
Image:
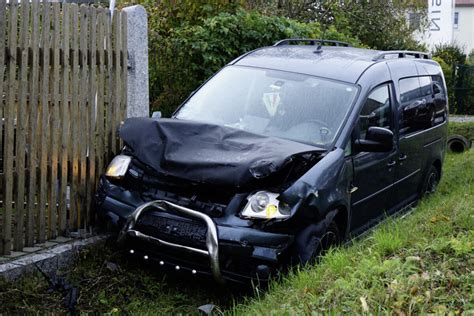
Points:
(206, 153)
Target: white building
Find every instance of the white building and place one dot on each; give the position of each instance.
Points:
(463, 24)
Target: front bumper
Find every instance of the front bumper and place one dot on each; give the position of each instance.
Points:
(212, 243)
(230, 248)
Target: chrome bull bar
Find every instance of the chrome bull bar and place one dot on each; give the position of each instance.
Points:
(212, 243)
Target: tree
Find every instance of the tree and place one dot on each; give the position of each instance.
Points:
(378, 24)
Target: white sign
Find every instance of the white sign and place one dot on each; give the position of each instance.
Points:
(440, 14)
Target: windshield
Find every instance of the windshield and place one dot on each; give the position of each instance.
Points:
(272, 103)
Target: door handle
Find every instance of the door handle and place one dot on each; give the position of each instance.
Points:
(402, 157)
(352, 189)
(391, 163)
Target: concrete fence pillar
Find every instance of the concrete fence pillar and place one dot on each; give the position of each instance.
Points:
(138, 102)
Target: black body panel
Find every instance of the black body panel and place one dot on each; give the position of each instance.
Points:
(205, 153)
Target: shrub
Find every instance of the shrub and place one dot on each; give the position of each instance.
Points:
(460, 84)
(470, 58)
(448, 76)
(190, 53)
(451, 53)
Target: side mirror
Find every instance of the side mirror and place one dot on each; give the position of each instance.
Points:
(377, 139)
(156, 115)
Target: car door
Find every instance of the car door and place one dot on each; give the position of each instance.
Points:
(374, 172)
(412, 121)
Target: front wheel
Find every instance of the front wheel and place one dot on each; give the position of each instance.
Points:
(317, 244)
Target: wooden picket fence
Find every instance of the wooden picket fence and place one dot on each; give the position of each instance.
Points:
(63, 83)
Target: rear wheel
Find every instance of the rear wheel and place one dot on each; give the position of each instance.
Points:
(431, 182)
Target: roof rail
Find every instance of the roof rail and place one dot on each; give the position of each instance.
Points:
(402, 54)
(312, 41)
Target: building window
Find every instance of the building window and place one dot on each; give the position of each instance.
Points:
(456, 19)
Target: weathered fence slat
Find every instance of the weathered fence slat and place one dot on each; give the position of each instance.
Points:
(44, 126)
(54, 126)
(10, 117)
(102, 19)
(109, 90)
(32, 207)
(117, 46)
(92, 115)
(20, 129)
(2, 107)
(83, 120)
(74, 118)
(65, 132)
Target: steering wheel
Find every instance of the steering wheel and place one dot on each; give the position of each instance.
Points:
(307, 130)
(323, 127)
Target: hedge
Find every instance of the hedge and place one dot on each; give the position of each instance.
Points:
(189, 54)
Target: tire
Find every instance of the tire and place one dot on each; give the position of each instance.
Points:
(431, 181)
(317, 245)
(458, 143)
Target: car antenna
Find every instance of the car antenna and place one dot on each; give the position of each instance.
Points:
(319, 49)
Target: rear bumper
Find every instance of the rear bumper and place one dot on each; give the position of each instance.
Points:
(231, 252)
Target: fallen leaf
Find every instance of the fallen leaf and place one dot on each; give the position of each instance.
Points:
(399, 312)
(413, 258)
(365, 307)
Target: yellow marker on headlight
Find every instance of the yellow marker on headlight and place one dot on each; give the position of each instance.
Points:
(271, 210)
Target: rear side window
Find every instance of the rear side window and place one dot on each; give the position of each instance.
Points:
(376, 110)
(440, 99)
(425, 86)
(411, 99)
(409, 90)
(438, 81)
(421, 104)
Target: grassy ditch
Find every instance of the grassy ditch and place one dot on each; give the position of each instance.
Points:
(465, 129)
(421, 263)
(103, 280)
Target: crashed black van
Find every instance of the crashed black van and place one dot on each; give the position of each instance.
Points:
(285, 151)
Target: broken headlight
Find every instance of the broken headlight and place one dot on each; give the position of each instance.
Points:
(265, 205)
(118, 167)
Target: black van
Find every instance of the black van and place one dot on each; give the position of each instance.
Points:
(285, 151)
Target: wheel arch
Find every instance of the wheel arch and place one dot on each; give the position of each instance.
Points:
(342, 220)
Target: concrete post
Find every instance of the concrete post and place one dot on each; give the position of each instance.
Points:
(138, 103)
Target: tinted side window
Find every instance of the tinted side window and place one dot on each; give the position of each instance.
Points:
(411, 100)
(439, 99)
(409, 89)
(425, 85)
(376, 110)
(439, 82)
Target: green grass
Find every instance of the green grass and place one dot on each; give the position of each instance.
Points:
(465, 129)
(421, 263)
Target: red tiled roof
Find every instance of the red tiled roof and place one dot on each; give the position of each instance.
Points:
(463, 3)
